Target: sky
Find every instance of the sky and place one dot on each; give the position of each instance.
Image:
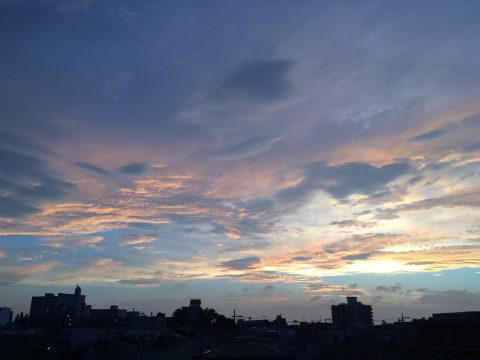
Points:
(264, 156)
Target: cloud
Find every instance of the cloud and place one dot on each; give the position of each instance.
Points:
(257, 81)
(72, 241)
(21, 143)
(362, 256)
(134, 169)
(15, 208)
(474, 147)
(301, 258)
(344, 180)
(252, 92)
(463, 299)
(469, 197)
(430, 135)
(131, 239)
(241, 264)
(352, 223)
(247, 148)
(26, 181)
(103, 268)
(325, 289)
(140, 281)
(93, 168)
(246, 245)
(12, 274)
(390, 289)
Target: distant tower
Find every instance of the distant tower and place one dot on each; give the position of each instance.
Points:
(78, 290)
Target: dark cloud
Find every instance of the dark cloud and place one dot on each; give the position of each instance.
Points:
(139, 281)
(134, 169)
(352, 223)
(475, 147)
(344, 180)
(258, 81)
(463, 299)
(415, 179)
(246, 245)
(14, 208)
(430, 135)
(21, 143)
(247, 148)
(301, 258)
(8, 279)
(93, 168)
(362, 256)
(390, 289)
(464, 198)
(26, 180)
(472, 120)
(241, 264)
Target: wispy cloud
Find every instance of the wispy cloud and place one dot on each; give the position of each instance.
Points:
(241, 264)
(247, 148)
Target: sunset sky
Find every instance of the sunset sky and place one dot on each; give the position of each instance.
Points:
(267, 156)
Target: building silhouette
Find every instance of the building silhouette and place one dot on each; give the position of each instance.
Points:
(50, 306)
(194, 309)
(6, 315)
(353, 313)
(454, 335)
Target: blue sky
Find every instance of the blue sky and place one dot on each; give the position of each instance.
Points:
(269, 156)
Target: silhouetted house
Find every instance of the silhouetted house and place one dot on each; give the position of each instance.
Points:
(463, 315)
(137, 320)
(353, 313)
(449, 334)
(50, 306)
(5, 316)
(280, 322)
(108, 318)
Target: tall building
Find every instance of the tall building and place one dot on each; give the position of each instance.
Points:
(49, 306)
(353, 313)
(5, 316)
(72, 304)
(195, 309)
(42, 308)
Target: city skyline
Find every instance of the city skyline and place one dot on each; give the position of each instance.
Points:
(270, 157)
